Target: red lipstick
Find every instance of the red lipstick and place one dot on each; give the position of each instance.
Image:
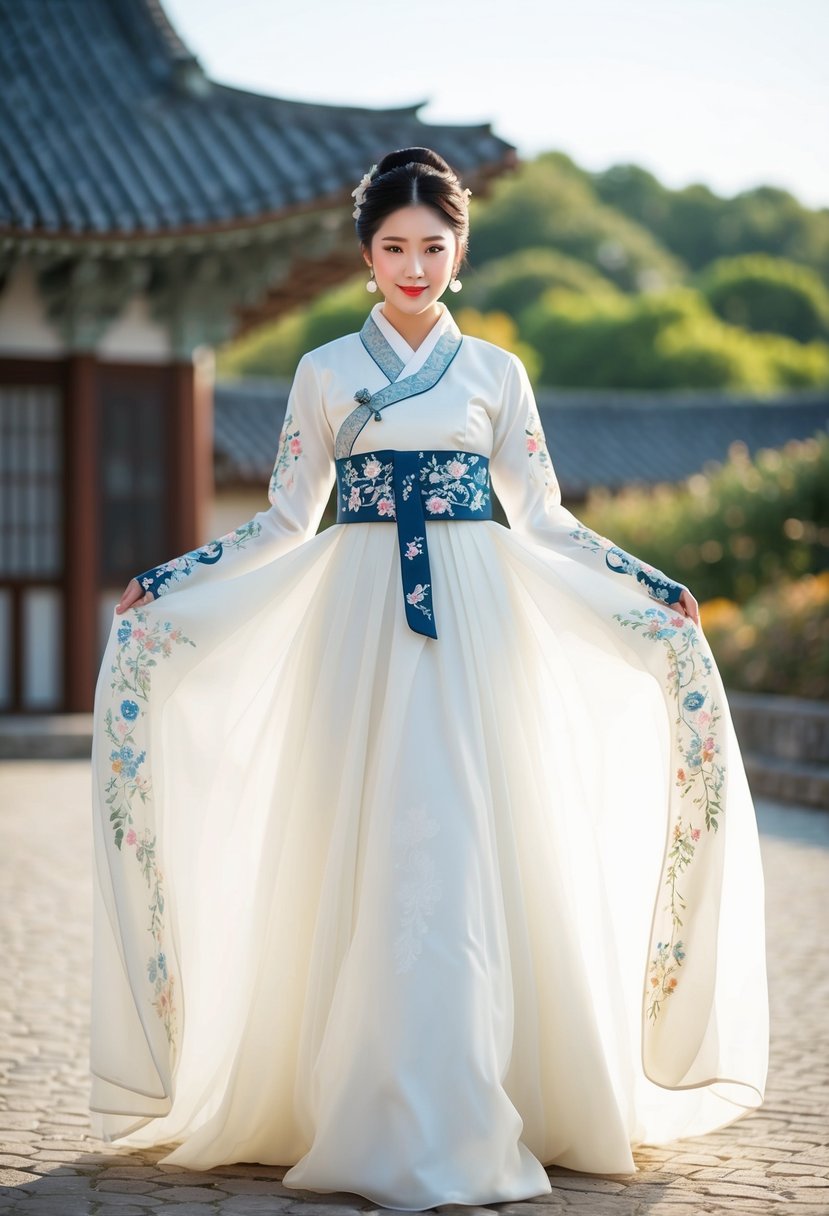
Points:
(412, 291)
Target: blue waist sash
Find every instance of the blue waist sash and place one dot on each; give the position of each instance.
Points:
(408, 488)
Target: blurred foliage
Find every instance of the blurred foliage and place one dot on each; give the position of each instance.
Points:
(499, 328)
(698, 226)
(767, 294)
(777, 642)
(510, 283)
(661, 340)
(734, 529)
(549, 203)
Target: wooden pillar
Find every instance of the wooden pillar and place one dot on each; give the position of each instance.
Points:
(192, 490)
(82, 513)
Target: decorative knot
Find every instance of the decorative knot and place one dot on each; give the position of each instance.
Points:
(362, 396)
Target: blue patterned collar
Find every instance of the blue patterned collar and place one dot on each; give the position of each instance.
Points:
(390, 350)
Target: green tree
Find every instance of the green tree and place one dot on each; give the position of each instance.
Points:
(767, 294)
(660, 340)
(509, 284)
(545, 205)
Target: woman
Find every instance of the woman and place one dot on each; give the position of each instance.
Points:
(425, 856)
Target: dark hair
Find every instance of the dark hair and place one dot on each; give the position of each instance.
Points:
(408, 176)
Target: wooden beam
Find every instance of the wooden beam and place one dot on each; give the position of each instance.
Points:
(82, 512)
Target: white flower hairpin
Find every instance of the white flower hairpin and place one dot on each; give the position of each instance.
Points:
(360, 193)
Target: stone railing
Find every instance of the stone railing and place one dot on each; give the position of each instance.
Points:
(785, 746)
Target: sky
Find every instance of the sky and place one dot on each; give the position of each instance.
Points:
(731, 93)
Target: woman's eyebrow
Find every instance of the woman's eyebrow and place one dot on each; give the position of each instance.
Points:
(405, 238)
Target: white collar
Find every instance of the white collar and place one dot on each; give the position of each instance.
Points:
(412, 359)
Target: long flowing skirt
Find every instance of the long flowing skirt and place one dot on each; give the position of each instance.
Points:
(391, 910)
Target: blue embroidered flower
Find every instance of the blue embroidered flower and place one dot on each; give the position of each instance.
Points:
(693, 700)
(124, 632)
(129, 710)
(126, 760)
(157, 967)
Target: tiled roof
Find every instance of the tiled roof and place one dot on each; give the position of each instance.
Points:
(595, 439)
(109, 125)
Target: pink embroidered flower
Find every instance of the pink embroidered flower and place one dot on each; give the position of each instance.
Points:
(695, 833)
(372, 469)
(456, 469)
(418, 594)
(385, 507)
(296, 447)
(677, 621)
(354, 499)
(680, 775)
(532, 443)
(412, 549)
(436, 505)
(703, 719)
(131, 837)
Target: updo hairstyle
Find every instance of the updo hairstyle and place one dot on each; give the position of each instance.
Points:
(408, 176)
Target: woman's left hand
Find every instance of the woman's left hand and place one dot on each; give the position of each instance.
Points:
(688, 605)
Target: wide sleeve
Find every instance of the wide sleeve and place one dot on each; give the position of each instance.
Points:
(301, 481)
(525, 482)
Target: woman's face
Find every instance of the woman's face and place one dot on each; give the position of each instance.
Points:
(413, 247)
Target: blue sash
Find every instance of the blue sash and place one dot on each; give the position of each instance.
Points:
(408, 488)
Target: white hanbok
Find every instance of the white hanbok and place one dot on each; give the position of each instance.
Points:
(418, 916)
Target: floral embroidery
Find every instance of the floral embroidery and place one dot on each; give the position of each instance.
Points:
(419, 888)
(538, 454)
(418, 598)
(289, 451)
(659, 586)
(129, 787)
(371, 487)
(414, 547)
(162, 579)
(452, 483)
(700, 778)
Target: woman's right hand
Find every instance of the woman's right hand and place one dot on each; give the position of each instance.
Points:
(133, 596)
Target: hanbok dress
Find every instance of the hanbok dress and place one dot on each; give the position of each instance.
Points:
(424, 852)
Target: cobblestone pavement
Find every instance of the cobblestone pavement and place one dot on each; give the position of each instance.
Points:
(775, 1160)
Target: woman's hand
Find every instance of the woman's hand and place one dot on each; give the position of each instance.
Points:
(687, 605)
(133, 596)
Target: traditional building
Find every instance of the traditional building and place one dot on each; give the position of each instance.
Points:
(147, 213)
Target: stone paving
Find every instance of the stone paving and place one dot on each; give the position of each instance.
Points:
(775, 1160)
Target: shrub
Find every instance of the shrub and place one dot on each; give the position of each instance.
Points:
(778, 642)
(734, 528)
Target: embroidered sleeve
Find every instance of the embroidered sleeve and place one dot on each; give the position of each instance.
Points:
(301, 481)
(524, 479)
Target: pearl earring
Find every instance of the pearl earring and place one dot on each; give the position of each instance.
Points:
(371, 285)
(455, 284)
